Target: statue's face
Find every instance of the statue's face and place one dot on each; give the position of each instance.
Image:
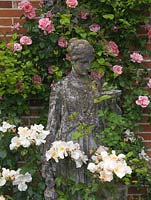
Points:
(81, 66)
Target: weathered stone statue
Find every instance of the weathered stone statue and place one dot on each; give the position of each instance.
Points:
(73, 96)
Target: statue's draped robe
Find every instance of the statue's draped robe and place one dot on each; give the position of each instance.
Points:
(71, 103)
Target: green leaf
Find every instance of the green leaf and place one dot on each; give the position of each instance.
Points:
(129, 154)
(102, 98)
(77, 135)
(108, 16)
(3, 153)
(65, 19)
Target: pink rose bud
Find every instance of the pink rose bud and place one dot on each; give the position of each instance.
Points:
(94, 27)
(62, 42)
(50, 71)
(136, 57)
(142, 101)
(25, 40)
(68, 57)
(83, 15)
(19, 86)
(97, 75)
(50, 15)
(36, 79)
(149, 33)
(72, 3)
(115, 28)
(10, 45)
(117, 69)
(149, 83)
(17, 47)
(113, 48)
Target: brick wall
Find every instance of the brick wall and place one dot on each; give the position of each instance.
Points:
(9, 15)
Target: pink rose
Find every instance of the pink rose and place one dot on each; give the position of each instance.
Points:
(113, 48)
(49, 28)
(83, 15)
(36, 79)
(68, 57)
(49, 14)
(115, 28)
(17, 47)
(149, 33)
(10, 45)
(136, 57)
(97, 75)
(149, 83)
(71, 3)
(50, 71)
(142, 101)
(27, 7)
(117, 69)
(94, 27)
(62, 42)
(19, 86)
(25, 40)
(44, 23)
(31, 15)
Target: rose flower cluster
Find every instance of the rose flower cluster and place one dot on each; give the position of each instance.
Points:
(16, 177)
(62, 149)
(27, 136)
(105, 165)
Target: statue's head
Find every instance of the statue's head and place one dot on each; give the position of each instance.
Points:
(82, 54)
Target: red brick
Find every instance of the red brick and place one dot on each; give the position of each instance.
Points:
(142, 30)
(5, 4)
(10, 13)
(147, 64)
(145, 128)
(145, 136)
(148, 144)
(5, 22)
(8, 30)
(21, 21)
(144, 119)
(35, 4)
(148, 153)
(6, 39)
(148, 46)
(134, 190)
